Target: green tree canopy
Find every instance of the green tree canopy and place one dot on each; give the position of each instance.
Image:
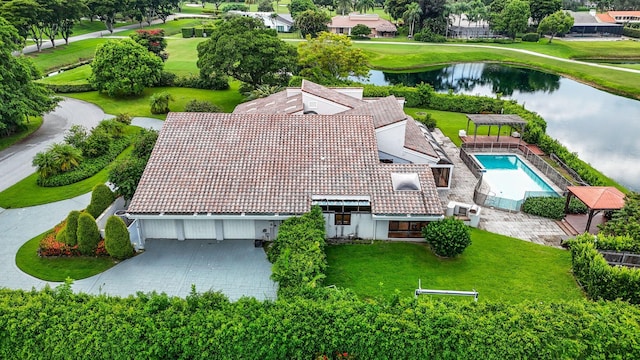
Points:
(360, 30)
(330, 57)
(312, 22)
(512, 19)
(243, 48)
(299, 6)
(543, 8)
(557, 23)
(124, 67)
(20, 96)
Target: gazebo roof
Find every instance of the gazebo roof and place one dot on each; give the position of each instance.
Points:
(496, 119)
(599, 197)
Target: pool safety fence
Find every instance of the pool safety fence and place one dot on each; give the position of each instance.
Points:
(482, 193)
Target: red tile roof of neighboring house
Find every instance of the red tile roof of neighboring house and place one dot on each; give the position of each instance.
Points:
(373, 21)
(599, 197)
(606, 18)
(256, 163)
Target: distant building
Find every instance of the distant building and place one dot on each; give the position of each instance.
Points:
(278, 22)
(342, 24)
(591, 24)
(619, 17)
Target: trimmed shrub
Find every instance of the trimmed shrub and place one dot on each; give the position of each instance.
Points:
(160, 103)
(448, 237)
(198, 32)
(61, 236)
(549, 207)
(123, 118)
(88, 234)
(211, 82)
(201, 106)
(72, 227)
(631, 32)
(69, 88)
(187, 32)
(428, 121)
(530, 37)
(600, 280)
(116, 239)
(167, 79)
(427, 35)
(101, 198)
(97, 144)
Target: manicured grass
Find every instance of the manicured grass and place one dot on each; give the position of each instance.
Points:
(75, 76)
(171, 27)
(498, 267)
(58, 269)
(140, 105)
(26, 192)
(419, 55)
(183, 55)
(65, 55)
(33, 125)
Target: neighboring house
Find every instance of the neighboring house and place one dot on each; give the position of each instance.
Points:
(619, 17)
(279, 22)
(238, 176)
(591, 24)
(343, 24)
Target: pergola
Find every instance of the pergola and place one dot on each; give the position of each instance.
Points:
(597, 198)
(499, 120)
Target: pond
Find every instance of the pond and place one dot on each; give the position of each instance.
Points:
(600, 127)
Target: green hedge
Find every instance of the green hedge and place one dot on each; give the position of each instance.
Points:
(552, 207)
(101, 198)
(599, 279)
(69, 88)
(530, 37)
(631, 32)
(198, 32)
(88, 167)
(58, 324)
(297, 253)
(187, 32)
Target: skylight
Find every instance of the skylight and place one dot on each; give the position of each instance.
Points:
(405, 181)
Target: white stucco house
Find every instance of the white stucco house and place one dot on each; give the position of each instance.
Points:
(272, 20)
(369, 166)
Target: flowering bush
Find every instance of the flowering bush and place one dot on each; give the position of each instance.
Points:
(50, 247)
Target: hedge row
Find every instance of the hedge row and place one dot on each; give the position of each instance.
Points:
(423, 96)
(552, 207)
(196, 32)
(88, 167)
(631, 32)
(297, 253)
(600, 280)
(69, 88)
(58, 324)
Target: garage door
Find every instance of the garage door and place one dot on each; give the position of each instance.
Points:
(239, 229)
(159, 229)
(199, 229)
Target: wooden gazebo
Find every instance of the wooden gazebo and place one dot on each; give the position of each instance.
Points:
(596, 198)
(499, 120)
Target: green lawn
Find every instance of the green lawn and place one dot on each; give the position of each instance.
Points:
(58, 269)
(65, 55)
(26, 192)
(500, 268)
(75, 76)
(183, 55)
(171, 27)
(33, 125)
(140, 105)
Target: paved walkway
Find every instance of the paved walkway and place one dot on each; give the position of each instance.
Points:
(518, 225)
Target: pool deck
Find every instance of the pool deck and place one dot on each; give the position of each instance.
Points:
(515, 224)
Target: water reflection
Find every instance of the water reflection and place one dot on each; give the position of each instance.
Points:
(599, 126)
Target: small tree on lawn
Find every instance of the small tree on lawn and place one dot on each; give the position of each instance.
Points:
(448, 237)
(72, 228)
(101, 198)
(160, 103)
(116, 239)
(360, 30)
(88, 234)
(557, 23)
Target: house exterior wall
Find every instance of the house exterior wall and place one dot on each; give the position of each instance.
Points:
(321, 106)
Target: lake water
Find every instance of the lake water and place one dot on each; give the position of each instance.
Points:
(600, 127)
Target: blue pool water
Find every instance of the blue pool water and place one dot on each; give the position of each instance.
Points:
(509, 177)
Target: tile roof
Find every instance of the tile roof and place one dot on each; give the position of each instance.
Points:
(330, 94)
(373, 22)
(258, 163)
(385, 111)
(415, 140)
(606, 18)
(277, 103)
(599, 197)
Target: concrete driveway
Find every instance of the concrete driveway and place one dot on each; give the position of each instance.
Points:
(234, 267)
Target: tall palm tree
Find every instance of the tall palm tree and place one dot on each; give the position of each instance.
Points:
(343, 6)
(411, 15)
(364, 5)
(46, 164)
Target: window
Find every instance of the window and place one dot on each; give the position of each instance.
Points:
(441, 176)
(406, 229)
(280, 28)
(343, 219)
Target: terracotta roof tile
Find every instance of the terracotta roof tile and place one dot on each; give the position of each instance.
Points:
(257, 163)
(385, 111)
(277, 103)
(373, 22)
(330, 94)
(599, 197)
(415, 140)
(606, 18)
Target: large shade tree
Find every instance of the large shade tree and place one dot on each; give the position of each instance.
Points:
(543, 8)
(312, 22)
(20, 96)
(512, 19)
(557, 23)
(330, 57)
(124, 67)
(243, 48)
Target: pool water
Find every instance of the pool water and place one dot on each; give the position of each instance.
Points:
(510, 178)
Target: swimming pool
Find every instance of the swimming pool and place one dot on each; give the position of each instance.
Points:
(510, 178)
